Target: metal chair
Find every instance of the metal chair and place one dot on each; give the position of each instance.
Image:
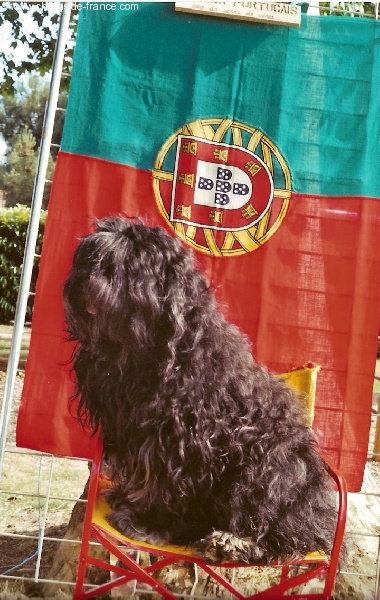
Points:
(291, 574)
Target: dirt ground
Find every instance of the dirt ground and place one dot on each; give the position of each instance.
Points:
(12, 549)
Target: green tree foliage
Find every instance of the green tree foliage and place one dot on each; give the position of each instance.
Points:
(13, 230)
(355, 9)
(26, 107)
(21, 123)
(17, 175)
(33, 29)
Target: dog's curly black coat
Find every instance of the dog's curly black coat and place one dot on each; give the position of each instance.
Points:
(207, 448)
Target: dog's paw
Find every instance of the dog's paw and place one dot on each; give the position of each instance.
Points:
(222, 546)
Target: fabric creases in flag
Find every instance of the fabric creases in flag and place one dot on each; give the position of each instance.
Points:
(256, 145)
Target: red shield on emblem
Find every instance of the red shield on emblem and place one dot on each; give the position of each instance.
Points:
(219, 186)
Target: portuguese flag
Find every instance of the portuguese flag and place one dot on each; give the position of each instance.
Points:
(258, 146)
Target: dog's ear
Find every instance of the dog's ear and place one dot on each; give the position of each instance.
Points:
(132, 285)
(87, 292)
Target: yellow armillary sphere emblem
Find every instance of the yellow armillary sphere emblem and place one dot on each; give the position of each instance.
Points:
(223, 186)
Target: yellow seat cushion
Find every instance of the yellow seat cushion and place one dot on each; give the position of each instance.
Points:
(102, 509)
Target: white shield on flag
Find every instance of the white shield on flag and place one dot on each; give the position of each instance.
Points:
(219, 186)
(222, 186)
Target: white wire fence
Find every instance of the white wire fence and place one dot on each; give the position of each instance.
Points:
(38, 492)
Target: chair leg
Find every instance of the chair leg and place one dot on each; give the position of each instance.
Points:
(78, 590)
(82, 564)
(86, 533)
(140, 573)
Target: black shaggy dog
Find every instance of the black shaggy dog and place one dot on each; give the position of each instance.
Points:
(206, 447)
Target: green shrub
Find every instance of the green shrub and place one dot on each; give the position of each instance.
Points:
(13, 229)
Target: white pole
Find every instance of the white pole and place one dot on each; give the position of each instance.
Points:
(33, 227)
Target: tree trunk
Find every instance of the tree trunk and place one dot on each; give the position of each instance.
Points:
(65, 562)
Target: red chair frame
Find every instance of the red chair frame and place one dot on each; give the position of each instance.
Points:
(96, 527)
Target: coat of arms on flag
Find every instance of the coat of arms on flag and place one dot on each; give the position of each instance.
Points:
(222, 185)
